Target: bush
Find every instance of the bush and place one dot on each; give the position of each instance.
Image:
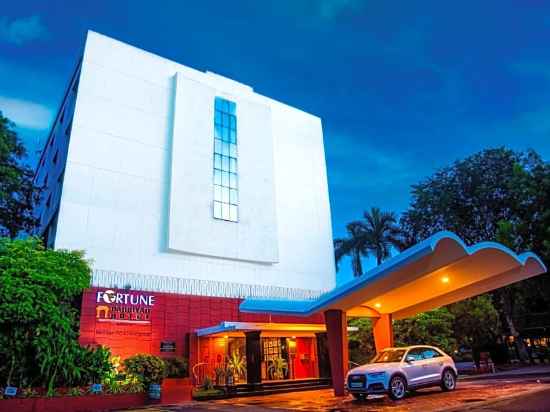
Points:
(149, 369)
(176, 367)
(38, 318)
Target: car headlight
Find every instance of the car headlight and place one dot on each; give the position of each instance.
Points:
(376, 375)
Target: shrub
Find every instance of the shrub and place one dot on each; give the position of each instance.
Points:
(38, 318)
(149, 369)
(176, 367)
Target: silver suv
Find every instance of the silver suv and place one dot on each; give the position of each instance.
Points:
(396, 370)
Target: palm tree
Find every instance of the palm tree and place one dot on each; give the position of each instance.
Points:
(383, 232)
(355, 245)
(376, 234)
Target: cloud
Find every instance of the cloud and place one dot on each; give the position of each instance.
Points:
(26, 114)
(22, 30)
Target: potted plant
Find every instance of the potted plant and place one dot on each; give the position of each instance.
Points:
(236, 364)
(278, 368)
(150, 369)
(220, 375)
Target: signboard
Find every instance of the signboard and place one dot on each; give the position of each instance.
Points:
(124, 307)
(10, 391)
(168, 346)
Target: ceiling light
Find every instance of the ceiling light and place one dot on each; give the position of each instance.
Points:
(445, 279)
(378, 305)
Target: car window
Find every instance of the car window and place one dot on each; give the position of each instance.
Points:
(415, 353)
(429, 353)
(387, 356)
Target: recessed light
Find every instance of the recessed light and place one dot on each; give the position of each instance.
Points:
(378, 305)
(445, 279)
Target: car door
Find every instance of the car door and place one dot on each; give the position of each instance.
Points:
(413, 366)
(433, 361)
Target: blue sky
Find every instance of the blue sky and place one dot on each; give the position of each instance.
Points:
(403, 88)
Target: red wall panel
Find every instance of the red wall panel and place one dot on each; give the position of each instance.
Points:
(173, 317)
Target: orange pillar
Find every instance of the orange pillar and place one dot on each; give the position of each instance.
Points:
(337, 334)
(383, 332)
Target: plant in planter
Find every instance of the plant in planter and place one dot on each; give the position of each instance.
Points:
(278, 368)
(149, 369)
(220, 375)
(176, 367)
(236, 365)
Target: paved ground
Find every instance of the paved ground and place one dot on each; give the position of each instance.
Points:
(524, 394)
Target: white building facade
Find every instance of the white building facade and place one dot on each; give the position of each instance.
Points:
(154, 168)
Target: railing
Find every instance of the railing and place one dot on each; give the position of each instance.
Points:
(171, 284)
(199, 372)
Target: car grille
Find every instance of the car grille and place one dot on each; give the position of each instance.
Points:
(357, 381)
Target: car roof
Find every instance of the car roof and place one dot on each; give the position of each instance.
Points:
(412, 347)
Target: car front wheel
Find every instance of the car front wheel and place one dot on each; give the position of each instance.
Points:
(448, 380)
(398, 388)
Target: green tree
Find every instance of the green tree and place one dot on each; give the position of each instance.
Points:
(475, 323)
(375, 235)
(473, 197)
(38, 320)
(429, 328)
(361, 341)
(18, 195)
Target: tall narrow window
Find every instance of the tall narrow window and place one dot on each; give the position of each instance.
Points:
(226, 190)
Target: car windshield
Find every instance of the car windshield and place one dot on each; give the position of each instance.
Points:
(392, 355)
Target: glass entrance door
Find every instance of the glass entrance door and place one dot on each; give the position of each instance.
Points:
(275, 362)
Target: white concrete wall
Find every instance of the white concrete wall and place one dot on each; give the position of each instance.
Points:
(117, 193)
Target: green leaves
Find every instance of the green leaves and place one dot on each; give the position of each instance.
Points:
(18, 194)
(147, 368)
(39, 339)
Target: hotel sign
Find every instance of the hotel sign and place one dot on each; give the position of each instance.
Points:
(124, 307)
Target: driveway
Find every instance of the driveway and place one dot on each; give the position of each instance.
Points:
(527, 394)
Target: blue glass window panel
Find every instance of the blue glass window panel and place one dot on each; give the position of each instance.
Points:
(233, 123)
(225, 194)
(233, 165)
(225, 120)
(217, 161)
(233, 213)
(225, 179)
(217, 177)
(225, 211)
(232, 108)
(218, 103)
(217, 132)
(225, 163)
(217, 193)
(232, 150)
(225, 149)
(225, 134)
(218, 117)
(233, 180)
(217, 146)
(217, 210)
(233, 136)
(233, 196)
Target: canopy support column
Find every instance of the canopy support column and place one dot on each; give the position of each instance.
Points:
(383, 332)
(337, 333)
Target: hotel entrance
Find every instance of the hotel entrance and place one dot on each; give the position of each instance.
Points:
(255, 353)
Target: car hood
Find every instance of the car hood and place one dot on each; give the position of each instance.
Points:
(375, 367)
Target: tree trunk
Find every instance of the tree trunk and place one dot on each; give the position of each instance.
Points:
(506, 302)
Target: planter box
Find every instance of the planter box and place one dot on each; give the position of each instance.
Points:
(88, 403)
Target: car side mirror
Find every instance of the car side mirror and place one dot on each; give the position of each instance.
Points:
(410, 359)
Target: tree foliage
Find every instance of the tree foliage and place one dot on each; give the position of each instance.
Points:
(496, 194)
(18, 195)
(38, 319)
(375, 235)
